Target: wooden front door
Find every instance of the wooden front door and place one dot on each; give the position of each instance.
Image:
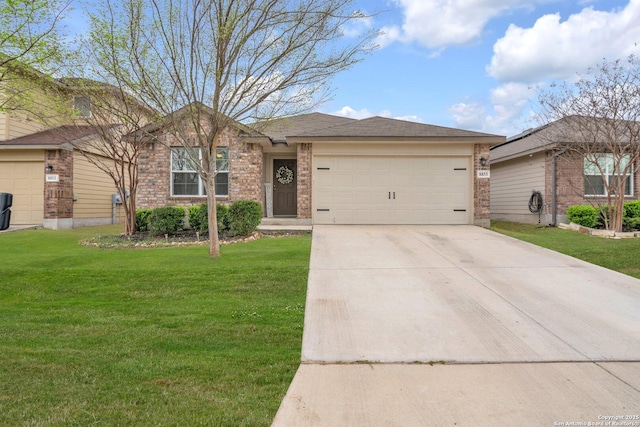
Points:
(285, 178)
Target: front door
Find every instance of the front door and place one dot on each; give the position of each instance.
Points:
(285, 177)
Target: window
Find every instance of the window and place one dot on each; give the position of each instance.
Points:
(594, 184)
(82, 106)
(185, 180)
(222, 171)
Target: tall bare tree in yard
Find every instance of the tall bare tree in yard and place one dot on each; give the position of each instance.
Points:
(600, 128)
(245, 60)
(116, 119)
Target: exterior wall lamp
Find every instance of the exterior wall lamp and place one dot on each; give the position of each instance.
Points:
(48, 169)
(483, 162)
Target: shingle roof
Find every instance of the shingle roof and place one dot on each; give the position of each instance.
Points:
(279, 129)
(382, 127)
(566, 130)
(52, 137)
(527, 142)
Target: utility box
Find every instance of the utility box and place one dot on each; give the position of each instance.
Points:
(116, 199)
(6, 200)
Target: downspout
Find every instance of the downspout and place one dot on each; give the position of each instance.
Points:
(554, 187)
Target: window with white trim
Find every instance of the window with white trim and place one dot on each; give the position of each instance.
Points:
(185, 180)
(594, 179)
(82, 106)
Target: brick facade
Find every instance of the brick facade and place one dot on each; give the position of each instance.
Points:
(481, 187)
(245, 173)
(58, 196)
(570, 182)
(304, 180)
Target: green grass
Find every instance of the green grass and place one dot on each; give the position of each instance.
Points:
(616, 254)
(163, 336)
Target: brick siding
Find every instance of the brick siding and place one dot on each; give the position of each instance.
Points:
(304, 180)
(245, 173)
(58, 196)
(570, 182)
(481, 187)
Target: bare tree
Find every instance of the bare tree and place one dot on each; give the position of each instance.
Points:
(599, 126)
(246, 60)
(31, 48)
(116, 119)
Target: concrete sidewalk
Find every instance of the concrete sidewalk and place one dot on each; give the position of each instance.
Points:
(527, 336)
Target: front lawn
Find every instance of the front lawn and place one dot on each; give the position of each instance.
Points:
(163, 336)
(616, 254)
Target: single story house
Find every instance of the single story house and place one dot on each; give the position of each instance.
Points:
(535, 162)
(325, 169)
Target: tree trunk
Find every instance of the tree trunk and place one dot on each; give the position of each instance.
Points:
(214, 243)
(618, 211)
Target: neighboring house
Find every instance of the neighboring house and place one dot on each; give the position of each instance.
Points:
(333, 170)
(533, 162)
(52, 183)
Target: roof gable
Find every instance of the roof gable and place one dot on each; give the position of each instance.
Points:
(182, 113)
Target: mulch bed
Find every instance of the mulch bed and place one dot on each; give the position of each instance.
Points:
(182, 238)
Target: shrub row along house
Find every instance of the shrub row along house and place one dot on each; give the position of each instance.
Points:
(315, 167)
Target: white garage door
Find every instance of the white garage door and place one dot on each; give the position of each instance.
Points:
(391, 190)
(25, 180)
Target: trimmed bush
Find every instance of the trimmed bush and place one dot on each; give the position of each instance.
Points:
(166, 220)
(142, 219)
(632, 209)
(199, 215)
(198, 218)
(243, 217)
(222, 215)
(584, 215)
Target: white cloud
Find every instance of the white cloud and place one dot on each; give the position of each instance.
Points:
(440, 23)
(557, 49)
(508, 101)
(468, 115)
(349, 112)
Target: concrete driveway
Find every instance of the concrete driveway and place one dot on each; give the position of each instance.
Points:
(457, 325)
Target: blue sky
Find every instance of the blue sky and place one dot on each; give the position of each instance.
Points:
(472, 64)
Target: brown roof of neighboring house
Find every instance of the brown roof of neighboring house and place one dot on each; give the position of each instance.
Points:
(528, 142)
(382, 127)
(55, 137)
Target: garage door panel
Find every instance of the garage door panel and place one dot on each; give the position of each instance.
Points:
(25, 180)
(391, 190)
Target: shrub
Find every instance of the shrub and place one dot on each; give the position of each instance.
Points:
(632, 209)
(142, 219)
(631, 223)
(222, 215)
(243, 217)
(199, 215)
(584, 215)
(198, 218)
(166, 220)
